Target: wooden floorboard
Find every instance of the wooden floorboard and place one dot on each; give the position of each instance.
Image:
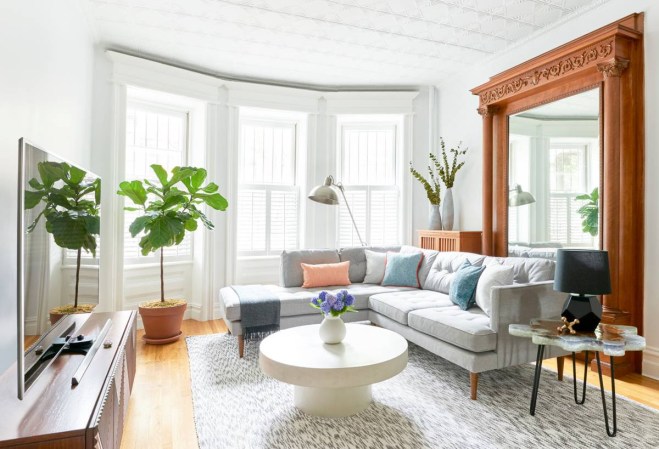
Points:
(160, 408)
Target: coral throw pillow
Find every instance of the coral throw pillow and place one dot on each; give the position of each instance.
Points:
(324, 275)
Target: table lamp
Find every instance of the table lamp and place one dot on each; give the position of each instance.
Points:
(584, 274)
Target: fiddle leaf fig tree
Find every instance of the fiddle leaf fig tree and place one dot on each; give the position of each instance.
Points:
(590, 212)
(170, 208)
(71, 209)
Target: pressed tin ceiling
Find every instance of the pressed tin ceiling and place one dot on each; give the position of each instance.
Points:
(329, 43)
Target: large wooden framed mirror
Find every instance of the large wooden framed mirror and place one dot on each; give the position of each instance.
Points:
(563, 125)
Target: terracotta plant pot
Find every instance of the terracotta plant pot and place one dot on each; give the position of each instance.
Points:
(162, 325)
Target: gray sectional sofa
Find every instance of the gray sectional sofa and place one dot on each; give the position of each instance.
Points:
(427, 317)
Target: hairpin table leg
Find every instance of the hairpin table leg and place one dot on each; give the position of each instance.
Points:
(536, 378)
(609, 432)
(574, 379)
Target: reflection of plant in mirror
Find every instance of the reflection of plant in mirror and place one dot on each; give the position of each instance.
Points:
(590, 212)
(448, 171)
(71, 208)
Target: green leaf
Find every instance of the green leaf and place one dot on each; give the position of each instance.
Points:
(163, 230)
(139, 224)
(35, 184)
(76, 175)
(179, 173)
(161, 173)
(133, 190)
(211, 187)
(215, 200)
(60, 200)
(51, 172)
(173, 200)
(32, 199)
(198, 178)
(92, 223)
(68, 232)
(191, 225)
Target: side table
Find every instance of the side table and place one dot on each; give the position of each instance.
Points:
(611, 340)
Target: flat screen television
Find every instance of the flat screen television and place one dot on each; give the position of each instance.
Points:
(58, 256)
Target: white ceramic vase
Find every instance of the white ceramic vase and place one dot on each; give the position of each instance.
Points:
(332, 330)
(434, 218)
(447, 210)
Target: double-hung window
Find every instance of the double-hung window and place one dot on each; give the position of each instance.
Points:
(268, 186)
(155, 134)
(369, 166)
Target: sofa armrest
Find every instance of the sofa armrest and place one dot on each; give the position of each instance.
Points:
(518, 304)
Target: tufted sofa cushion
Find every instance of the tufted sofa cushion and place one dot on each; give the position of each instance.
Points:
(526, 269)
(399, 304)
(357, 259)
(468, 329)
(443, 269)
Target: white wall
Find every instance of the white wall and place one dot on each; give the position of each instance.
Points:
(45, 92)
(459, 120)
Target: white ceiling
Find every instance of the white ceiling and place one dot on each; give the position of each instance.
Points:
(325, 42)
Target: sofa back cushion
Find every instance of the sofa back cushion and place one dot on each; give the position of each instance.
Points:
(290, 268)
(443, 269)
(526, 269)
(357, 259)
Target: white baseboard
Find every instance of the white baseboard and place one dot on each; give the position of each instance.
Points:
(651, 362)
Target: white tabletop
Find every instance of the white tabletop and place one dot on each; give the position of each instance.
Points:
(367, 355)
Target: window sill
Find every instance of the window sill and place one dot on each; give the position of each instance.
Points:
(134, 266)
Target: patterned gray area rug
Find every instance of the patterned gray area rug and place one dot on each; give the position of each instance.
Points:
(426, 406)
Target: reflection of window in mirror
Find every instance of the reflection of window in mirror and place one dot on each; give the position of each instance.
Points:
(554, 155)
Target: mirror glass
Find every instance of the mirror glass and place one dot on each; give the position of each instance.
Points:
(554, 177)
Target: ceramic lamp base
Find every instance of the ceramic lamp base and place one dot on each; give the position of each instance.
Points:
(587, 309)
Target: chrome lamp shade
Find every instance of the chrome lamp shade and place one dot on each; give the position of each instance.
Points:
(519, 197)
(325, 193)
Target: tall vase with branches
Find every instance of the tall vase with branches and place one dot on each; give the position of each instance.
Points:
(447, 171)
(433, 192)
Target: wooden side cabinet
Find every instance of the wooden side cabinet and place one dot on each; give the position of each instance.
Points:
(57, 415)
(466, 241)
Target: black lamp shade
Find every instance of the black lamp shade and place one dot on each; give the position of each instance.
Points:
(585, 272)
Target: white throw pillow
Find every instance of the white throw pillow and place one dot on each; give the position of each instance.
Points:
(375, 263)
(494, 275)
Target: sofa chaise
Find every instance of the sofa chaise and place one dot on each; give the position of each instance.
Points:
(425, 316)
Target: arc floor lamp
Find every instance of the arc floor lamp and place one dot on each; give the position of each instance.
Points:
(326, 194)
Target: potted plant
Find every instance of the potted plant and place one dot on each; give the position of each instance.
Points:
(71, 210)
(169, 209)
(590, 212)
(447, 174)
(433, 192)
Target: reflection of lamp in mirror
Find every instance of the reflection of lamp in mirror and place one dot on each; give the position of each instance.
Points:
(325, 194)
(519, 197)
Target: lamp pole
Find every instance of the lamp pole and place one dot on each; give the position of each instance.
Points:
(340, 187)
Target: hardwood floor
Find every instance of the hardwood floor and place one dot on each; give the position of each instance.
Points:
(160, 409)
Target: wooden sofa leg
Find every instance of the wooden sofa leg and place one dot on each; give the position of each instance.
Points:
(473, 381)
(241, 346)
(560, 362)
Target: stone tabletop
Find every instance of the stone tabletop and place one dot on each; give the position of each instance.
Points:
(612, 340)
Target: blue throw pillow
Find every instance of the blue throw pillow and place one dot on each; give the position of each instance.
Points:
(402, 270)
(463, 286)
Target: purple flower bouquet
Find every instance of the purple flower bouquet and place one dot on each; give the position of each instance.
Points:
(334, 304)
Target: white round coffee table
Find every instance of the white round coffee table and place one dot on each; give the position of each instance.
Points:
(333, 380)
